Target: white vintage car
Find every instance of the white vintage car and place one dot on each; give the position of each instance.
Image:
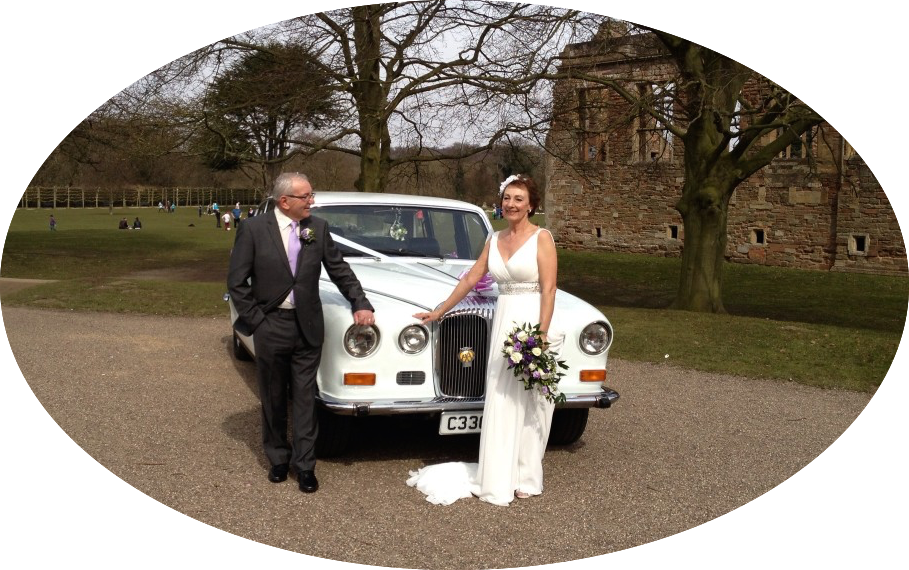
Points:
(408, 253)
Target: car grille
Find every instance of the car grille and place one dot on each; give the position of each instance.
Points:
(464, 327)
(411, 378)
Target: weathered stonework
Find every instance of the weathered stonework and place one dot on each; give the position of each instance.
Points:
(619, 191)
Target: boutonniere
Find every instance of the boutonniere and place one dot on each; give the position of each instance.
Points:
(307, 236)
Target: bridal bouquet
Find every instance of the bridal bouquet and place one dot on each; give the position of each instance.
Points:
(528, 356)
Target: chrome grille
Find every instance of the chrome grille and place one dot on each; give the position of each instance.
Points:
(411, 378)
(465, 326)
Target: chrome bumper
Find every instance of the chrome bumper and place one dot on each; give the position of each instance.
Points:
(604, 399)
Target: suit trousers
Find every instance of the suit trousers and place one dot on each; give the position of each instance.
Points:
(286, 367)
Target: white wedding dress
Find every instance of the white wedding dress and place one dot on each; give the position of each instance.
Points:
(516, 421)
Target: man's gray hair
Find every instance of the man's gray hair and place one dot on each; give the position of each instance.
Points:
(284, 183)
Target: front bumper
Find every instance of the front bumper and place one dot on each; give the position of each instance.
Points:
(604, 399)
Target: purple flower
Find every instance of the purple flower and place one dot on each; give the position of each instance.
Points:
(483, 285)
(528, 358)
(545, 390)
(536, 374)
(517, 345)
(531, 342)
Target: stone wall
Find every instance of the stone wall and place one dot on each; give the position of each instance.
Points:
(619, 190)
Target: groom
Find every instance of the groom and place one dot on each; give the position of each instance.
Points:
(273, 281)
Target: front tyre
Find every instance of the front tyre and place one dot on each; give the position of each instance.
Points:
(568, 425)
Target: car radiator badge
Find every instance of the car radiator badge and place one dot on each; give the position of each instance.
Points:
(466, 356)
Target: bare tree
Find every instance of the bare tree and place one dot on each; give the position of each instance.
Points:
(730, 121)
(408, 78)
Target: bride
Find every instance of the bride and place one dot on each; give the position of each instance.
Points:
(516, 422)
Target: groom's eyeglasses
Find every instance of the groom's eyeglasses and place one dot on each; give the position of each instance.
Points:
(311, 196)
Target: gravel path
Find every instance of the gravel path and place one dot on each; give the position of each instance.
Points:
(159, 401)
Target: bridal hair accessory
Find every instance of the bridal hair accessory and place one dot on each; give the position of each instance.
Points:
(533, 364)
(508, 181)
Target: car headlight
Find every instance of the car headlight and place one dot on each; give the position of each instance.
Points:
(413, 339)
(595, 338)
(360, 341)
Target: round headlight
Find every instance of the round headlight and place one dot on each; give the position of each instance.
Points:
(360, 341)
(413, 339)
(595, 338)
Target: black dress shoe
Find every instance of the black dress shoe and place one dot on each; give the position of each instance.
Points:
(308, 481)
(278, 473)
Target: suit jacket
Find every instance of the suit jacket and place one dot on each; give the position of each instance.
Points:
(259, 278)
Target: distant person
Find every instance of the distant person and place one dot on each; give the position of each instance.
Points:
(200, 210)
(137, 225)
(226, 219)
(160, 206)
(167, 206)
(251, 212)
(173, 207)
(217, 212)
(236, 212)
(124, 224)
(53, 223)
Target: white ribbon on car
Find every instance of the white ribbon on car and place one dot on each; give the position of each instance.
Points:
(382, 258)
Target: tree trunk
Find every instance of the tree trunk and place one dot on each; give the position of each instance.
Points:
(370, 96)
(704, 208)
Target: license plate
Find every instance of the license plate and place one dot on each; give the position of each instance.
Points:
(460, 422)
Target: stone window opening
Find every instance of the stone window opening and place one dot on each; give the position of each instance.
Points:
(672, 232)
(654, 140)
(758, 236)
(801, 148)
(592, 125)
(599, 232)
(858, 244)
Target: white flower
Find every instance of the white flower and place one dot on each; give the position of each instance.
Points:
(509, 350)
(532, 366)
(516, 357)
(536, 351)
(506, 182)
(522, 336)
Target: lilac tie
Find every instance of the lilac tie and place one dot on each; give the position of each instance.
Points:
(293, 251)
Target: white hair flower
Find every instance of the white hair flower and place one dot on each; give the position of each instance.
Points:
(507, 181)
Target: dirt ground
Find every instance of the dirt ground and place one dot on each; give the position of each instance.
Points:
(162, 404)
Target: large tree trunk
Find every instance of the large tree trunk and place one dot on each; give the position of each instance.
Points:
(704, 208)
(369, 93)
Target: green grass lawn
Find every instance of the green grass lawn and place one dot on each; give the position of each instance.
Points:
(814, 327)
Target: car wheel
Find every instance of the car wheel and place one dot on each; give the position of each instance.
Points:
(335, 433)
(240, 351)
(568, 426)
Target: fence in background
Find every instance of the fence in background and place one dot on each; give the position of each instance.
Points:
(62, 197)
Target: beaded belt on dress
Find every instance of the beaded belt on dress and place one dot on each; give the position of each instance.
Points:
(519, 288)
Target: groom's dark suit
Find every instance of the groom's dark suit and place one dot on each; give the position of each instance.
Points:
(287, 341)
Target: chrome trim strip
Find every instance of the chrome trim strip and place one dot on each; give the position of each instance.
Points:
(604, 399)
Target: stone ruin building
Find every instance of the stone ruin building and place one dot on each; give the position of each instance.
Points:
(618, 176)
